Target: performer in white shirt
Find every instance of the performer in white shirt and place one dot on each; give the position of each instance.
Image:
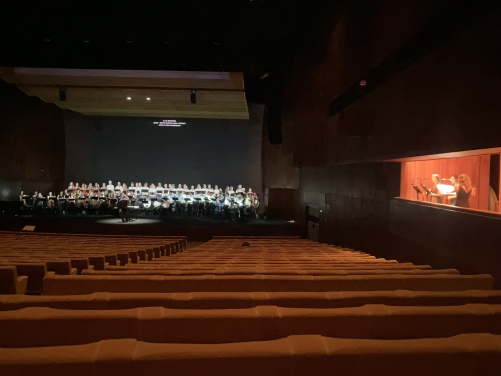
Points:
(189, 198)
(181, 203)
(248, 200)
(110, 187)
(240, 189)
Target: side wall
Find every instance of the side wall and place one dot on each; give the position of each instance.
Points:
(32, 149)
(447, 100)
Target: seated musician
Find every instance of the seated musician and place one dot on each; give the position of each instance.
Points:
(239, 201)
(82, 201)
(119, 187)
(113, 202)
(231, 192)
(62, 202)
(40, 203)
(181, 202)
(103, 202)
(189, 198)
(197, 197)
(22, 198)
(71, 207)
(216, 190)
(152, 197)
(220, 203)
(94, 202)
(227, 204)
(248, 201)
(51, 202)
(71, 186)
(123, 207)
(166, 204)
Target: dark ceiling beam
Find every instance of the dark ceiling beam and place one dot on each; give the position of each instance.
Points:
(443, 27)
(21, 86)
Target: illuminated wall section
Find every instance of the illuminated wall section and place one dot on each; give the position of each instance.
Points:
(476, 167)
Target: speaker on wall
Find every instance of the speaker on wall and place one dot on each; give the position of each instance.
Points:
(274, 124)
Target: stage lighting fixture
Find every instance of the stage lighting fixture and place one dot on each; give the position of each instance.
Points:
(193, 96)
(62, 95)
(363, 83)
(129, 98)
(148, 98)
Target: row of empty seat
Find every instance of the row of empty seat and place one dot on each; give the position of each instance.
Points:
(272, 305)
(35, 255)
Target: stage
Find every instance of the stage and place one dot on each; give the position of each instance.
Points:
(195, 228)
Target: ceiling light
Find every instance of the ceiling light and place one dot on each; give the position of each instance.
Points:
(363, 83)
(148, 98)
(129, 98)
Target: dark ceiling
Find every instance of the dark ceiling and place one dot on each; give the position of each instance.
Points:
(252, 36)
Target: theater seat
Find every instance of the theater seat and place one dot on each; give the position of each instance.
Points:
(462, 355)
(10, 282)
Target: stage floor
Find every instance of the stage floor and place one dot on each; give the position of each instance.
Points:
(196, 228)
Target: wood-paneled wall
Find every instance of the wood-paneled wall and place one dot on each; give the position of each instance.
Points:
(476, 167)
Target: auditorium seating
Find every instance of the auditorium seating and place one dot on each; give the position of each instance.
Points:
(239, 305)
(37, 254)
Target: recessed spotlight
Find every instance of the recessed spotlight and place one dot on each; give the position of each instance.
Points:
(148, 99)
(129, 98)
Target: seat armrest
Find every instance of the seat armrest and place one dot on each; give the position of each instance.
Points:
(22, 282)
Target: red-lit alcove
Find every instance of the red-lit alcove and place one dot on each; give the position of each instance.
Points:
(476, 166)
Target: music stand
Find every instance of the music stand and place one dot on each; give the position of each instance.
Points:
(428, 192)
(418, 191)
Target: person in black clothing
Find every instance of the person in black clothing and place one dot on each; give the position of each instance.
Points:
(123, 207)
(463, 191)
